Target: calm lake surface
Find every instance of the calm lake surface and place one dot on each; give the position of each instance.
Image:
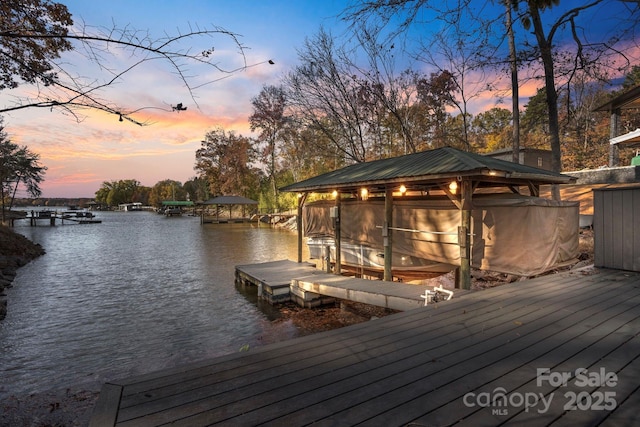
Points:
(137, 293)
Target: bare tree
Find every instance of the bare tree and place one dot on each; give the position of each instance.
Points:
(515, 88)
(561, 46)
(458, 49)
(324, 94)
(41, 31)
(564, 63)
(387, 95)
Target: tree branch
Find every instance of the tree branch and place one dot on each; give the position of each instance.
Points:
(75, 93)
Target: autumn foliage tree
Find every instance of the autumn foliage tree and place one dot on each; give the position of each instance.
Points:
(18, 166)
(167, 189)
(225, 160)
(269, 119)
(114, 193)
(28, 47)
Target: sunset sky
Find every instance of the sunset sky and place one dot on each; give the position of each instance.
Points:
(81, 155)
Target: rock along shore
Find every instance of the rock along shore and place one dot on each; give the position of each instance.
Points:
(15, 251)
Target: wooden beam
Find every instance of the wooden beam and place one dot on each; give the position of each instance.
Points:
(386, 234)
(301, 199)
(614, 130)
(464, 237)
(450, 195)
(338, 269)
(514, 189)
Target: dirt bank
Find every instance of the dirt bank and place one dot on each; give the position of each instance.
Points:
(15, 251)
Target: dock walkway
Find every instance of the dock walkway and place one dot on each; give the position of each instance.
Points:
(281, 280)
(394, 295)
(273, 279)
(508, 354)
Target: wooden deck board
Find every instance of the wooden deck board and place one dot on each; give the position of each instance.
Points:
(415, 366)
(497, 354)
(276, 278)
(627, 398)
(393, 295)
(568, 352)
(277, 272)
(321, 346)
(106, 409)
(267, 367)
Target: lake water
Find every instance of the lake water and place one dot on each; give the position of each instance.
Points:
(137, 293)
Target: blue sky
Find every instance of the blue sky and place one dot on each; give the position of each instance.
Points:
(80, 156)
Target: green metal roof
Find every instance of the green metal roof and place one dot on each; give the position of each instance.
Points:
(177, 203)
(426, 167)
(230, 200)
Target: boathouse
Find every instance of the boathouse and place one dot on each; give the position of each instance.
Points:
(444, 205)
(229, 202)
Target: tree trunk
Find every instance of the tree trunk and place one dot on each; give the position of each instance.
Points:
(515, 92)
(2, 202)
(552, 95)
(274, 186)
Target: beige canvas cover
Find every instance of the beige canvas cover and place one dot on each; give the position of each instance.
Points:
(510, 233)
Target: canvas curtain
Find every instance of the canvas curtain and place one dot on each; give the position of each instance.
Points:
(510, 233)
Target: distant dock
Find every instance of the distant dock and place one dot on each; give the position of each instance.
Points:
(285, 280)
(269, 219)
(51, 218)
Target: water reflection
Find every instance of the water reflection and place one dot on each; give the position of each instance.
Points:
(136, 293)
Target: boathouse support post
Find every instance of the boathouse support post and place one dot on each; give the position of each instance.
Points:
(338, 268)
(614, 130)
(464, 235)
(386, 234)
(301, 199)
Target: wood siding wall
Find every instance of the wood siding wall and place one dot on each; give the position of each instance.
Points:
(616, 225)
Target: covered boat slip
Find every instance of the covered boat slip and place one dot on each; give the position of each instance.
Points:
(509, 354)
(229, 202)
(508, 233)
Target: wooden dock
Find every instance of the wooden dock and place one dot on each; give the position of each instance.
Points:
(273, 279)
(51, 218)
(508, 354)
(394, 295)
(284, 280)
(218, 220)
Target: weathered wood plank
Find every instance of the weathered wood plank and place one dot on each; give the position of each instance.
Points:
(412, 366)
(384, 329)
(627, 398)
(590, 350)
(589, 409)
(414, 383)
(276, 272)
(106, 410)
(246, 403)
